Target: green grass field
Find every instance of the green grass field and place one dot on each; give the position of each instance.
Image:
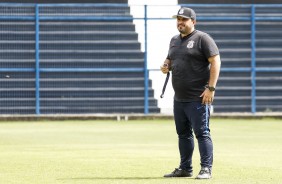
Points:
(135, 152)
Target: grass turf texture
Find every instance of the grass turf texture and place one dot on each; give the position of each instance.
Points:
(135, 152)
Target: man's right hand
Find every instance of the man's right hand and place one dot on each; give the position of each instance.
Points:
(165, 68)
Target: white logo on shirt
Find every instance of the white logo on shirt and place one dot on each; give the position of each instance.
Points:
(190, 44)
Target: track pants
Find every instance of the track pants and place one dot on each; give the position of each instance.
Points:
(193, 117)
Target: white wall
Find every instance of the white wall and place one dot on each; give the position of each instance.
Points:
(159, 33)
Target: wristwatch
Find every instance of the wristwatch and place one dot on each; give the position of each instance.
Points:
(211, 88)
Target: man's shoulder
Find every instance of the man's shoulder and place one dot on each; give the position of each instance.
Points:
(201, 33)
(176, 37)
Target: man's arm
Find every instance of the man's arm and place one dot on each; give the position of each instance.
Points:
(214, 70)
(208, 96)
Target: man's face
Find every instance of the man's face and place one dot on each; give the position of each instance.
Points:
(185, 25)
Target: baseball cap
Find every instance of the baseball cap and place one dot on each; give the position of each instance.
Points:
(186, 13)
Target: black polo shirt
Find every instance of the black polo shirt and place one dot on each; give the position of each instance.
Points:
(189, 64)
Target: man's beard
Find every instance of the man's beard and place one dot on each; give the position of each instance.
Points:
(182, 30)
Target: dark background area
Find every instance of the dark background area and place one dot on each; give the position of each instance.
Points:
(64, 1)
(229, 1)
(126, 1)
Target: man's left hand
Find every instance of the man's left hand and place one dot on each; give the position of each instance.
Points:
(207, 96)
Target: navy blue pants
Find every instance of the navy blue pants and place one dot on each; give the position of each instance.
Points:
(192, 117)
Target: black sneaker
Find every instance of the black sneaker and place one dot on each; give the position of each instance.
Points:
(179, 173)
(205, 173)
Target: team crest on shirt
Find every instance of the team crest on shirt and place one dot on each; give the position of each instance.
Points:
(190, 44)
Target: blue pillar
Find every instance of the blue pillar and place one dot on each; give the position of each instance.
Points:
(37, 66)
(146, 77)
(253, 65)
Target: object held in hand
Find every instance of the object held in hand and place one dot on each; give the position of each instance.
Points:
(166, 80)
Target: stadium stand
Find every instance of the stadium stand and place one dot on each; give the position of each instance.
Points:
(64, 1)
(76, 44)
(268, 59)
(68, 48)
(229, 1)
(17, 52)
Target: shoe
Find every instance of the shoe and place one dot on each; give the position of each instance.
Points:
(205, 173)
(179, 173)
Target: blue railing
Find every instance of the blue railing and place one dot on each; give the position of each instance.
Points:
(253, 60)
(37, 18)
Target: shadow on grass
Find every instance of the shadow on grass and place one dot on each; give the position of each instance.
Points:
(118, 178)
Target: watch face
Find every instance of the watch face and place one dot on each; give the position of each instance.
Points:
(211, 88)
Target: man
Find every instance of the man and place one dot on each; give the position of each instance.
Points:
(194, 60)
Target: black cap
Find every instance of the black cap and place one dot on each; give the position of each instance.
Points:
(186, 13)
